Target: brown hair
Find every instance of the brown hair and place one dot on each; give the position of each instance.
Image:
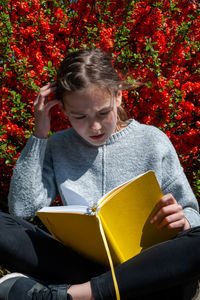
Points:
(89, 66)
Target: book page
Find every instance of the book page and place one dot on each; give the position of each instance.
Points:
(73, 198)
(126, 215)
(111, 193)
(63, 209)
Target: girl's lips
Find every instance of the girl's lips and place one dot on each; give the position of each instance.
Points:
(96, 137)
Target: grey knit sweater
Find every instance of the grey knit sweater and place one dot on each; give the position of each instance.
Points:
(65, 160)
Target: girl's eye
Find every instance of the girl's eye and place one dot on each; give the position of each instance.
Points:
(105, 113)
(79, 118)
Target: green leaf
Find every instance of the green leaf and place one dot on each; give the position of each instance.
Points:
(49, 64)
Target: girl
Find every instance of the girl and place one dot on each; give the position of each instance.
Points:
(101, 150)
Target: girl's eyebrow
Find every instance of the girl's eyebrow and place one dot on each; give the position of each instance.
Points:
(76, 113)
(82, 113)
(107, 107)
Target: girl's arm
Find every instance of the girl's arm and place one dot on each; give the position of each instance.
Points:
(33, 183)
(179, 207)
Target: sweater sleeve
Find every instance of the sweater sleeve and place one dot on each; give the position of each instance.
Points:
(33, 182)
(174, 181)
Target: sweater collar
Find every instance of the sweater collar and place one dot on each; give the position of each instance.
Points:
(115, 136)
(123, 132)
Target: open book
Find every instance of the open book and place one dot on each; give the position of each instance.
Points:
(124, 214)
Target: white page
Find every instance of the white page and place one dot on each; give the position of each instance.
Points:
(72, 198)
(67, 208)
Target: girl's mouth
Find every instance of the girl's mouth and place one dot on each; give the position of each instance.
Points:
(96, 137)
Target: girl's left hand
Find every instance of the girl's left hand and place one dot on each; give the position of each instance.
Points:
(170, 214)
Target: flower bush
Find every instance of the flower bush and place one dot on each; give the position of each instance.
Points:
(155, 42)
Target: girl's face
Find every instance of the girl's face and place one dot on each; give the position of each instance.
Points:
(92, 113)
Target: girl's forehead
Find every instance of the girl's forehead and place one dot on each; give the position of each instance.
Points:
(90, 96)
(94, 91)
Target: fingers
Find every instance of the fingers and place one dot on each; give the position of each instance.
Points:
(166, 200)
(168, 213)
(51, 103)
(174, 220)
(47, 89)
(44, 92)
(42, 110)
(162, 207)
(41, 103)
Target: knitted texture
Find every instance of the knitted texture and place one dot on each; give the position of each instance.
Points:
(65, 160)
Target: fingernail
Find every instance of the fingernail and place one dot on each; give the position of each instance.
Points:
(153, 220)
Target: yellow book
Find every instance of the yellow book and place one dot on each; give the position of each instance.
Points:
(124, 213)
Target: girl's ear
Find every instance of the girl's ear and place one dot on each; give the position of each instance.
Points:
(119, 98)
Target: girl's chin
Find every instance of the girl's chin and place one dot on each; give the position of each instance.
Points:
(96, 142)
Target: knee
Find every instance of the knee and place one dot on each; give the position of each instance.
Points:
(3, 217)
(192, 241)
(194, 231)
(6, 223)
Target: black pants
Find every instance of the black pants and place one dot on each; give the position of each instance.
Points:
(169, 270)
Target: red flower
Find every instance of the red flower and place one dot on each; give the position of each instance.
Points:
(155, 43)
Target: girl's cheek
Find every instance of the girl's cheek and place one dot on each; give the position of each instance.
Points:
(113, 118)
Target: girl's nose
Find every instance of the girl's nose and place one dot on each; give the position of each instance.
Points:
(96, 125)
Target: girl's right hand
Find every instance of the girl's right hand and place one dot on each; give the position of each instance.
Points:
(42, 110)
